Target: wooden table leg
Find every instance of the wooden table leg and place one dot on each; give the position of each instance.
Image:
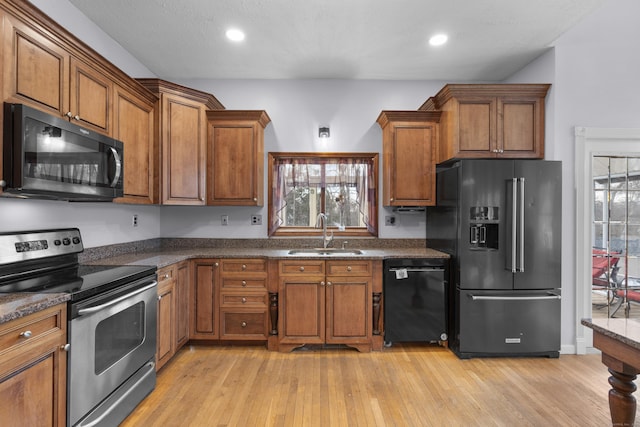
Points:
(621, 403)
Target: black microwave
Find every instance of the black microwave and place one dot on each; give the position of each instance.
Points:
(49, 157)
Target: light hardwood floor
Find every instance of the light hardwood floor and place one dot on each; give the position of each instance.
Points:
(405, 385)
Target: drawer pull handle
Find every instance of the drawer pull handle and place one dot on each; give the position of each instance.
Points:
(244, 283)
(166, 276)
(301, 268)
(349, 268)
(243, 324)
(26, 334)
(244, 300)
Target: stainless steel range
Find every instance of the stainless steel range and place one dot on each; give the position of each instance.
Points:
(112, 320)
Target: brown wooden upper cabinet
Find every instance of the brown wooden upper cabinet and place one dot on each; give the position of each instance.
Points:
(40, 70)
(182, 133)
(490, 120)
(235, 157)
(409, 142)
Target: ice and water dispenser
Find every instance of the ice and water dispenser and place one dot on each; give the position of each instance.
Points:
(483, 227)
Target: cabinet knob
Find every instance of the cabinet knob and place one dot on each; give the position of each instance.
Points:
(255, 199)
(244, 283)
(322, 283)
(244, 266)
(243, 324)
(391, 199)
(244, 300)
(216, 264)
(301, 268)
(76, 117)
(26, 334)
(159, 297)
(165, 276)
(348, 268)
(68, 114)
(3, 183)
(329, 283)
(65, 347)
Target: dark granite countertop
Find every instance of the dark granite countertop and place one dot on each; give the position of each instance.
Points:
(164, 257)
(15, 306)
(626, 331)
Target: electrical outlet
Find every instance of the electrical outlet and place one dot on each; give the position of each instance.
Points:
(256, 219)
(224, 219)
(390, 220)
(134, 222)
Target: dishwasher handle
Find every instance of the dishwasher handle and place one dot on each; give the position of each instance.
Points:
(417, 269)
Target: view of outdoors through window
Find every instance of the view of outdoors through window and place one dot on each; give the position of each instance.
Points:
(338, 200)
(616, 236)
(304, 185)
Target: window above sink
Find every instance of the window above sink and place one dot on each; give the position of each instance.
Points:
(340, 185)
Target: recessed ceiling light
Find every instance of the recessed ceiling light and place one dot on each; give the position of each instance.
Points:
(235, 35)
(438, 40)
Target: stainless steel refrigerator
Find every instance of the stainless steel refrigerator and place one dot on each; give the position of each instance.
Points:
(500, 220)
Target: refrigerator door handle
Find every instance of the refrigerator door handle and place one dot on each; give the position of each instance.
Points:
(514, 225)
(507, 298)
(521, 235)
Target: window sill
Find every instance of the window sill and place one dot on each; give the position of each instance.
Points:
(316, 232)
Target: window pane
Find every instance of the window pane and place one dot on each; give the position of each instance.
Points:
(633, 242)
(599, 240)
(599, 205)
(617, 237)
(600, 172)
(618, 205)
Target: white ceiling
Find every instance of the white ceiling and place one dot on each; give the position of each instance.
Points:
(346, 39)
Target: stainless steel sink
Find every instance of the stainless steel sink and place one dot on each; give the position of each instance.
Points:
(325, 251)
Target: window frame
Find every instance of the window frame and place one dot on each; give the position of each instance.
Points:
(272, 157)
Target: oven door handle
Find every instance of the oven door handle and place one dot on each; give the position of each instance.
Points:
(84, 311)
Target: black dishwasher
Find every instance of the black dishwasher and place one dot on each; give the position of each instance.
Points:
(415, 300)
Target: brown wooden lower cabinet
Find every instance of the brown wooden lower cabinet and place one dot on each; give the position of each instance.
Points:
(33, 369)
(173, 311)
(326, 302)
(204, 299)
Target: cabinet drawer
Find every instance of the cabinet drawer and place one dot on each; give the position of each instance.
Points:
(297, 267)
(243, 325)
(31, 328)
(244, 266)
(244, 283)
(166, 274)
(349, 268)
(248, 300)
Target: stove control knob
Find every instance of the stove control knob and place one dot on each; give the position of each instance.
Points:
(66, 241)
(76, 240)
(57, 242)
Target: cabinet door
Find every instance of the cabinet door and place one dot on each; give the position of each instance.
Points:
(412, 172)
(303, 317)
(520, 127)
(182, 304)
(35, 67)
(348, 310)
(204, 299)
(183, 151)
(33, 370)
(90, 97)
(134, 126)
(166, 322)
(234, 164)
(476, 127)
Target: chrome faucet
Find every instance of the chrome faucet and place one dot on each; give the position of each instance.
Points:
(322, 217)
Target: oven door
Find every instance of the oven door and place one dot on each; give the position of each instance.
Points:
(112, 337)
